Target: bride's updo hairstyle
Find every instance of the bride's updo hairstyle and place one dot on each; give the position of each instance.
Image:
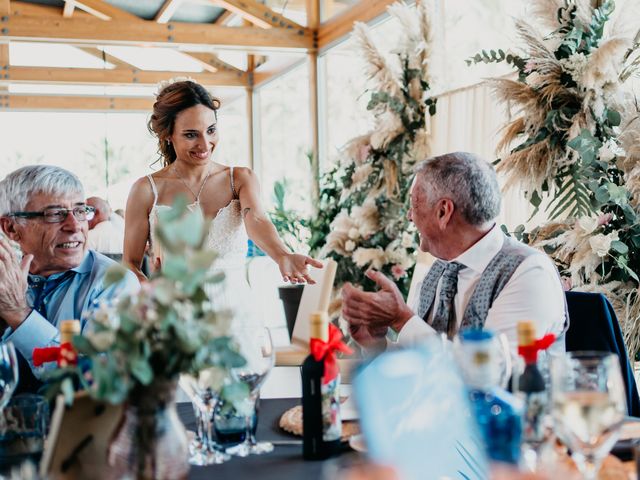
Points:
(170, 101)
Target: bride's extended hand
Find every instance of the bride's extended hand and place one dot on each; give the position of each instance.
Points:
(294, 268)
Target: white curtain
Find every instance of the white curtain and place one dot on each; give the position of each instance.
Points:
(469, 119)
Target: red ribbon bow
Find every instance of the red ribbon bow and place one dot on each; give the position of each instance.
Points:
(530, 352)
(327, 351)
(65, 355)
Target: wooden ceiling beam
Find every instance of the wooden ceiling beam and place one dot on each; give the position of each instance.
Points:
(169, 7)
(96, 52)
(313, 13)
(103, 10)
(72, 102)
(214, 61)
(142, 32)
(118, 76)
(69, 7)
(224, 18)
(5, 8)
(258, 14)
(19, 8)
(341, 25)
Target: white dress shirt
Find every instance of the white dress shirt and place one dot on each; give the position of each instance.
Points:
(532, 293)
(106, 237)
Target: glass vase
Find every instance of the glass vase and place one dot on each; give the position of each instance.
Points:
(150, 441)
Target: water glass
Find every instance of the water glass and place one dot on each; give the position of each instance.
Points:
(203, 449)
(23, 428)
(8, 373)
(588, 406)
(256, 347)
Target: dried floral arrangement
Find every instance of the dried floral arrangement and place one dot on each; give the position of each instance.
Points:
(364, 199)
(573, 143)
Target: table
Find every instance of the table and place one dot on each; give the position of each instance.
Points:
(285, 462)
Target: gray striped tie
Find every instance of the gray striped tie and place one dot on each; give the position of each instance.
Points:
(444, 320)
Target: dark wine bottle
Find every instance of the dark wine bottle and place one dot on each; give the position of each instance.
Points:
(321, 424)
(531, 386)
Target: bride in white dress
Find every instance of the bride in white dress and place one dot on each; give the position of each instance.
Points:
(184, 120)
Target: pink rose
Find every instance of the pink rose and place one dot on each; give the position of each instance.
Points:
(605, 218)
(398, 272)
(363, 152)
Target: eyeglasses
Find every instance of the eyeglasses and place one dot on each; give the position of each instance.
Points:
(58, 215)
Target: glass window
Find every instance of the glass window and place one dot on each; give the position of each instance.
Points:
(295, 10)
(160, 59)
(468, 28)
(345, 86)
(233, 148)
(284, 131)
(331, 8)
(76, 141)
(34, 54)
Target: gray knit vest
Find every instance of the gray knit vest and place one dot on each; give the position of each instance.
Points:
(494, 278)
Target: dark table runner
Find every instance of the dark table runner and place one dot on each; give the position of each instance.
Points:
(285, 462)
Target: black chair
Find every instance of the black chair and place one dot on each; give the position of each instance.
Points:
(594, 326)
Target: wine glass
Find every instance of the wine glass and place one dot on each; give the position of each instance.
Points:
(203, 449)
(256, 347)
(8, 373)
(588, 406)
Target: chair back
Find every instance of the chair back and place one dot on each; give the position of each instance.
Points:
(594, 326)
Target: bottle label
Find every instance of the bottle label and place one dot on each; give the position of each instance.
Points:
(331, 420)
(535, 409)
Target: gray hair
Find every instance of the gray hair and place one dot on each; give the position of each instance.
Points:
(469, 181)
(17, 188)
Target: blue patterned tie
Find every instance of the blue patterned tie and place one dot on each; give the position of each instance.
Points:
(444, 321)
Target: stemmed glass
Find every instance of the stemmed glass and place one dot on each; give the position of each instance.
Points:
(203, 449)
(256, 347)
(8, 373)
(588, 406)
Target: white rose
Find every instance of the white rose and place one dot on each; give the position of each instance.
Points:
(588, 224)
(354, 233)
(605, 153)
(373, 256)
(102, 340)
(533, 79)
(350, 245)
(407, 240)
(598, 107)
(342, 222)
(601, 244)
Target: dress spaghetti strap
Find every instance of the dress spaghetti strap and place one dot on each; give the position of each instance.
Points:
(233, 188)
(154, 189)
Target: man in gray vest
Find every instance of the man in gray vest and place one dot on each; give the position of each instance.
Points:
(481, 278)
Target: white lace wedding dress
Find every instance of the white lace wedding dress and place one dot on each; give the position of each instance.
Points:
(228, 237)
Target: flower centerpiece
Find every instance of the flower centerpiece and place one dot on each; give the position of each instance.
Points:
(139, 346)
(571, 144)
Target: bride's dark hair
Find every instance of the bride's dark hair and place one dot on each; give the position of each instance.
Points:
(170, 101)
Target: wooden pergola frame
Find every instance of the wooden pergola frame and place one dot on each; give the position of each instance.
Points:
(87, 24)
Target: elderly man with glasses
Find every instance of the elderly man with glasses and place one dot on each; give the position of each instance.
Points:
(57, 278)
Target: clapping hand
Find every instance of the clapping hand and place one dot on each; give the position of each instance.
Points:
(13, 284)
(294, 268)
(370, 314)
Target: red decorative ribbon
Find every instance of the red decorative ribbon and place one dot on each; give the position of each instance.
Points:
(65, 355)
(327, 351)
(530, 352)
